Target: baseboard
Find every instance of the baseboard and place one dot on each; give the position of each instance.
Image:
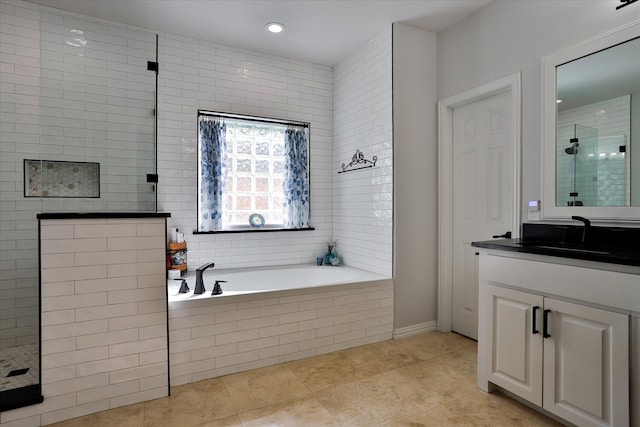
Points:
(420, 328)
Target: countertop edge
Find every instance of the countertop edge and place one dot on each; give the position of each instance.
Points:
(92, 215)
(513, 245)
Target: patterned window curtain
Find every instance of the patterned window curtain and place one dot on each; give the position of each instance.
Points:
(296, 178)
(213, 174)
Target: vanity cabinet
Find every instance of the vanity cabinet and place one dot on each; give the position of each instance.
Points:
(568, 358)
(545, 336)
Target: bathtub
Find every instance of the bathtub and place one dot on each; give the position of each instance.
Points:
(269, 279)
(272, 315)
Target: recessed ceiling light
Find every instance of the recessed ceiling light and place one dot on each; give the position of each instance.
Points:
(274, 27)
(558, 101)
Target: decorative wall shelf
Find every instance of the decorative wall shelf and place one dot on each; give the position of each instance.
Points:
(358, 162)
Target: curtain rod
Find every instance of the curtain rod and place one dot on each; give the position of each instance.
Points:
(252, 118)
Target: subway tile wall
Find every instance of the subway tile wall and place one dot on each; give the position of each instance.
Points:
(19, 90)
(196, 74)
(104, 318)
(76, 89)
(200, 74)
(363, 199)
(609, 169)
(211, 338)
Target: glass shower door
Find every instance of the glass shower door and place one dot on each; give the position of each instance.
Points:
(576, 166)
(84, 141)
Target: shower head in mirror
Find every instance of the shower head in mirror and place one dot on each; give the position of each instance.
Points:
(572, 150)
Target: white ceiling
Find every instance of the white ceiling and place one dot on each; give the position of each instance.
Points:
(319, 31)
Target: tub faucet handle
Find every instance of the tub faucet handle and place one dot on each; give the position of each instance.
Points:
(199, 282)
(217, 289)
(184, 288)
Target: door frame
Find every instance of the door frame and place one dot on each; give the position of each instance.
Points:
(445, 178)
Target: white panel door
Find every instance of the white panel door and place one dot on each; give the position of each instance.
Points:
(483, 164)
(586, 364)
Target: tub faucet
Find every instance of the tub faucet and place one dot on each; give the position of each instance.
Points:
(199, 282)
(217, 289)
(585, 230)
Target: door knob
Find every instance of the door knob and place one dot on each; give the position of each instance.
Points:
(506, 235)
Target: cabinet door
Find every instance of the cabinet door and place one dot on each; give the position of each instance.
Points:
(586, 364)
(516, 342)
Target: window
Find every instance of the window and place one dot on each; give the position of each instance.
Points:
(252, 166)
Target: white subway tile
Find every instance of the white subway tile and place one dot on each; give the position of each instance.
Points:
(238, 358)
(106, 338)
(106, 391)
(107, 365)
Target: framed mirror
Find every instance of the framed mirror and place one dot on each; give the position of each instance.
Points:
(591, 128)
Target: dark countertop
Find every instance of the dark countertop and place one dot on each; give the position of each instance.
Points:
(623, 256)
(614, 245)
(86, 215)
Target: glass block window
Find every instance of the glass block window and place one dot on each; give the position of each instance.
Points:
(254, 172)
(244, 165)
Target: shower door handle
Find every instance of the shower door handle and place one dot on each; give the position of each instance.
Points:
(506, 235)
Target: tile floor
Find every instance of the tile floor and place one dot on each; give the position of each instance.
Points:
(15, 358)
(424, 380)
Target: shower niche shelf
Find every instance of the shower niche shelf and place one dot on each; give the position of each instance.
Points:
(54, 178)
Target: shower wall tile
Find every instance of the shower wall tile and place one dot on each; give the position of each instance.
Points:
(19, 62)
(69, 103)
(363, 199)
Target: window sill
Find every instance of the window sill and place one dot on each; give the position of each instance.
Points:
(252, 230)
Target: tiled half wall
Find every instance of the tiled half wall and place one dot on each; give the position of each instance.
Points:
(104, 317)
(210, 338)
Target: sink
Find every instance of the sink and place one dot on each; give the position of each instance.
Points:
(570, 249)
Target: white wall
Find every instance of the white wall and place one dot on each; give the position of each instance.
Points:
(506, 37)
(415, 176)
(363, 199)
(196, 74)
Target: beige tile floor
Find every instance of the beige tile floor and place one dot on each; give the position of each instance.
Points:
(424, 380)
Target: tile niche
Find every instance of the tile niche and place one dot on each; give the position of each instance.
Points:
(49, 178)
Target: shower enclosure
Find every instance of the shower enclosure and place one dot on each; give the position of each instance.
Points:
(591, 169)
(79, 135)
(576, 166)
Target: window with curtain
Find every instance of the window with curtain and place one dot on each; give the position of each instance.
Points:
(253, 173)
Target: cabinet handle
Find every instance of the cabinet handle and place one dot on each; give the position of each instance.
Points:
(534, 329)
(545, 324)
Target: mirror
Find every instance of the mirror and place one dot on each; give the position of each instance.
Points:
(591, 103)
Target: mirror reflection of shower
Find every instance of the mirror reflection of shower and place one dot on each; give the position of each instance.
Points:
(573, 151)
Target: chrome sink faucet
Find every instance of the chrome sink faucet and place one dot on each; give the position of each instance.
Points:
(199, 282)
(585, 230)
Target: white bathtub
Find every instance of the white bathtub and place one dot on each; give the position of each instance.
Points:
(269, 279)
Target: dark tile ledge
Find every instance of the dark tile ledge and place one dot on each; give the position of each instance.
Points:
(88, 215)
(615, 245)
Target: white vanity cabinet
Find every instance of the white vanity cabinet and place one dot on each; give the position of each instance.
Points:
(635, 369)
(549, 334)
